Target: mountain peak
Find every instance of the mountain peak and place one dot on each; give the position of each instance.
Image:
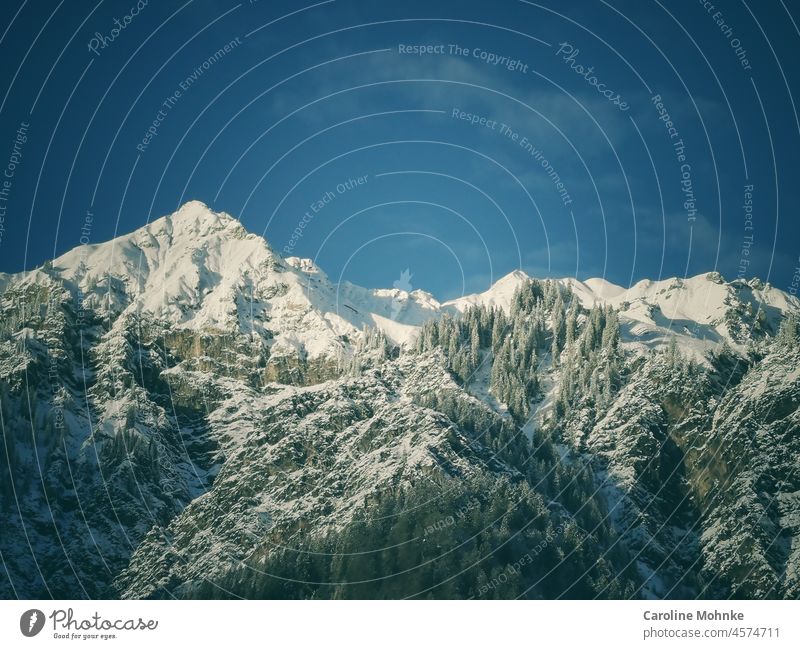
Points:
(193, 207)
(191, 220)
(198, 211)
(499, 294)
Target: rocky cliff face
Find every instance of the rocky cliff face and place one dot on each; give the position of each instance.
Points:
(185, 413)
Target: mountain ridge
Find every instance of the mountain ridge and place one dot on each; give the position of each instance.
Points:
(207, 262)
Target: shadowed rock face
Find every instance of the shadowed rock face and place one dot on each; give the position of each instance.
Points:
(195, 416)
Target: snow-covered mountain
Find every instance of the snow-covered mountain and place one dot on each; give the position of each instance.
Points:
(199, 269)
(700, 312)
(187, 413)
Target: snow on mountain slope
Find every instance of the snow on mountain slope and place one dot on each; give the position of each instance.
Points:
(201, 270)
(602, 288)
(704, 298)
(698, 312)
(499, 295)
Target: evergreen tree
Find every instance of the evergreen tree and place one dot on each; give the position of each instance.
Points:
(475, 344)
(789, 332)
(571, 324)
(611, 330)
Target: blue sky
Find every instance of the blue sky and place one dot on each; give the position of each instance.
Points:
(310, 95)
